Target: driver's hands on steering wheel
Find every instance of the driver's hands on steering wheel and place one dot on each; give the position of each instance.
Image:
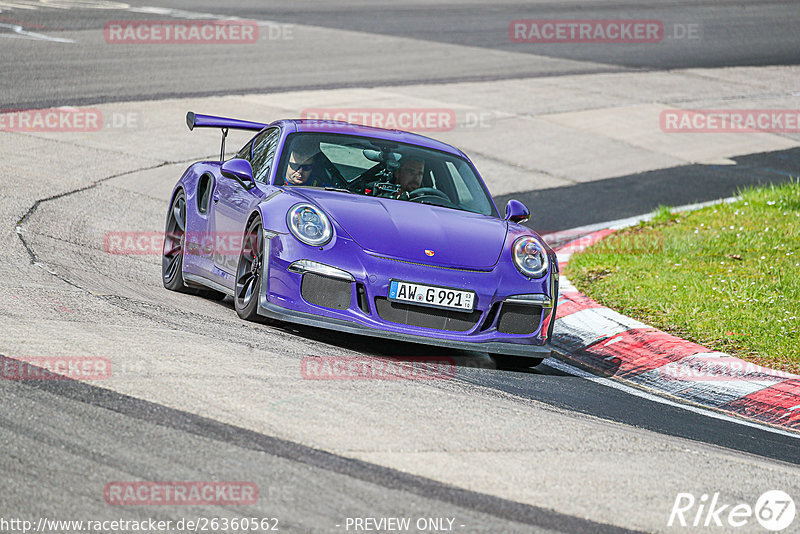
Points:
(434, 195)
(427, 191)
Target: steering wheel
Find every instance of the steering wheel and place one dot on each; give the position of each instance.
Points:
(427, 192)
(335, 177)
(437, 198)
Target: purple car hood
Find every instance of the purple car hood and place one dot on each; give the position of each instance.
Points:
(415, 232)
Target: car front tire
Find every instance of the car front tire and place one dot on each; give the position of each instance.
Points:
(249, 272)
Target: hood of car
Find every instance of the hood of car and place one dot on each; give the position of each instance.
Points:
(414, 232)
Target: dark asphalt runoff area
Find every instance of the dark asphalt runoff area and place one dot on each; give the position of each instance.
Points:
(58, 435)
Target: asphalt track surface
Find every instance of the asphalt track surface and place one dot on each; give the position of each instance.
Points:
(729, 33)
(57, 434)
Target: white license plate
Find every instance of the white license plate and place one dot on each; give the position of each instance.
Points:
(438, 297)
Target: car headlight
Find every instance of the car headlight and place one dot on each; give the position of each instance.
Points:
(530, 257)
(309, 224)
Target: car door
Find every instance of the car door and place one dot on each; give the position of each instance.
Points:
(234, 201)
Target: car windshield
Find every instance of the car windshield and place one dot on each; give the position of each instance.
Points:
(377, 167)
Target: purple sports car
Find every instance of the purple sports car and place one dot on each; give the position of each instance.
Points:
(363, 230)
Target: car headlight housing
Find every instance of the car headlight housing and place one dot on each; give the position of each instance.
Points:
(530, 257)
(309, 224)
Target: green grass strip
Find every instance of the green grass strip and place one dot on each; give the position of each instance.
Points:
(726, 276)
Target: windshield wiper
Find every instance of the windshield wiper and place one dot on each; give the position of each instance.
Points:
(341, 189)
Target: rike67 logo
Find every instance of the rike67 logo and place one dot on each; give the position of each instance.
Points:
(774, 510)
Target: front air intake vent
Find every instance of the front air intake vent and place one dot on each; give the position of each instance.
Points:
(325, 291)
(519, 318)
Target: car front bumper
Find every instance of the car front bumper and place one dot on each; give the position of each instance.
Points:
(281, 298)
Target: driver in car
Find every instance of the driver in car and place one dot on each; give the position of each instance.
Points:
(302, 164)
(409, 175)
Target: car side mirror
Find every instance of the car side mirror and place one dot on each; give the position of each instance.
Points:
(517, 212)
(240, 170)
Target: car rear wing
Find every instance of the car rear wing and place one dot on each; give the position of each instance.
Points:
(195, 120)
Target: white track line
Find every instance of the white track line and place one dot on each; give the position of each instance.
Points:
(567, 368)
(18, 32)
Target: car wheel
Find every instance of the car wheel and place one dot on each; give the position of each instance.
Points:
(514, 362)
(174, 241)
(249, 273)
(174, 245)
